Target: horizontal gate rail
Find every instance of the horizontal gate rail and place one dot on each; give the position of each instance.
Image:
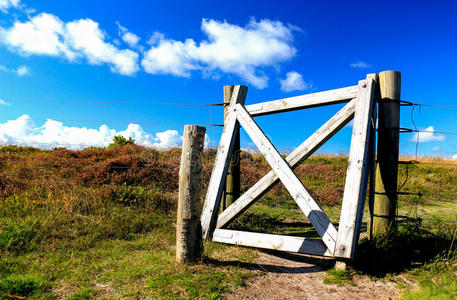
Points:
(331, 97)
(272, 241)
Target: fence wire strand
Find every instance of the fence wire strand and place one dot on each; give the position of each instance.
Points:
(64, 182)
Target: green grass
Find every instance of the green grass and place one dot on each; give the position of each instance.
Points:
(339, 277)
(118, 241)
(127, 254)
(437, 280)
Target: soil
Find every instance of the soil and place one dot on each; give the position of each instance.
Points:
(291, 276)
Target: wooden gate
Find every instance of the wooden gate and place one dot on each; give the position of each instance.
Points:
(337, 243)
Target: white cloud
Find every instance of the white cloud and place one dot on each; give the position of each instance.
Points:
(243, 51)
(454, 156)
(46, 34)
(294, 82)
(86, 37)
(428, 136)
(6, 4)
(360, 64)
(435, 149)
(41, 35)
(23, 71)
(4, 103)
(128, 37)
(20, 71)
(24, 131)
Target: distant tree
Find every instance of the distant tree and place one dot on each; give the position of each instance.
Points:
(119, 140)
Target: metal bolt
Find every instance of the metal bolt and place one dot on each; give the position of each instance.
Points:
(342, 248)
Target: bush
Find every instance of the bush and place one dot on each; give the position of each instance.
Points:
(119, 140)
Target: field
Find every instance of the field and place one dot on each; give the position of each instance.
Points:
(99, 223)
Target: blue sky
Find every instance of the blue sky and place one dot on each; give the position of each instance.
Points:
(181, 51)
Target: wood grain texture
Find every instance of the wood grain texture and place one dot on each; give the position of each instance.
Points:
(233, 184)
(188, 229)
(305, 101)
(357, 173)
(302, 152)
(216, 183)
(272, 241)
(388, 151)
(294, 186)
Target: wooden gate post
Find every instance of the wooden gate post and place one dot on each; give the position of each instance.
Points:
(188, 228)
(232, 188)
(388, 144)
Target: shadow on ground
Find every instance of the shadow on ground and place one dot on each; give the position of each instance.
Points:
(316, 264)
(410, 247)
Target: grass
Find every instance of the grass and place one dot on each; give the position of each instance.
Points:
(436, 279)
(339, 277)
(110, 232)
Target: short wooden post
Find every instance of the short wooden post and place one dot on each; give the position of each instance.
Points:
(388, 144)
(232, 188)
(188, 228)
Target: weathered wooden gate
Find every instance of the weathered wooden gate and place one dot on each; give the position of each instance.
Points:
(338, 243)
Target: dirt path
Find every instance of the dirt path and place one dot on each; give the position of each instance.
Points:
(290, 276)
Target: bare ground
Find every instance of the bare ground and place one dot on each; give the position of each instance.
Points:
(291, 276)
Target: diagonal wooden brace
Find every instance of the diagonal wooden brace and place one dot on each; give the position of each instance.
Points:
(306, 149)
(295, 187)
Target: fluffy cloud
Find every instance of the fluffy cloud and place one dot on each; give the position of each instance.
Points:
(24, 131)
(243, 51)
(3, 102)
(428, 136)
(294, 82)
(128, 37)
(23, 71)
(46, 34)
(20, 71)
(454, 156)
(360, 64)
(6, 4)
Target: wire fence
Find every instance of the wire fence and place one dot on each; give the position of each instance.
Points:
(409, 212)
(410, 202)
(90, 185)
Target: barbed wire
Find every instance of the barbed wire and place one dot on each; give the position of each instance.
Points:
(64, 182)
(435, 105)
(117, 102)
(85, 165)
(409, 130)
(410, 103)
(28, 144)
(110, 121)
(415, 162)
(420, 194)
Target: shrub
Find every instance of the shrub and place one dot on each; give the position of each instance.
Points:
(119, 140)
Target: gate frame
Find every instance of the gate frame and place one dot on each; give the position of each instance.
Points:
(341, 243)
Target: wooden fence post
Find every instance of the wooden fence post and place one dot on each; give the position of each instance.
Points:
(232, 188)
(385, 202)
(188, 228)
